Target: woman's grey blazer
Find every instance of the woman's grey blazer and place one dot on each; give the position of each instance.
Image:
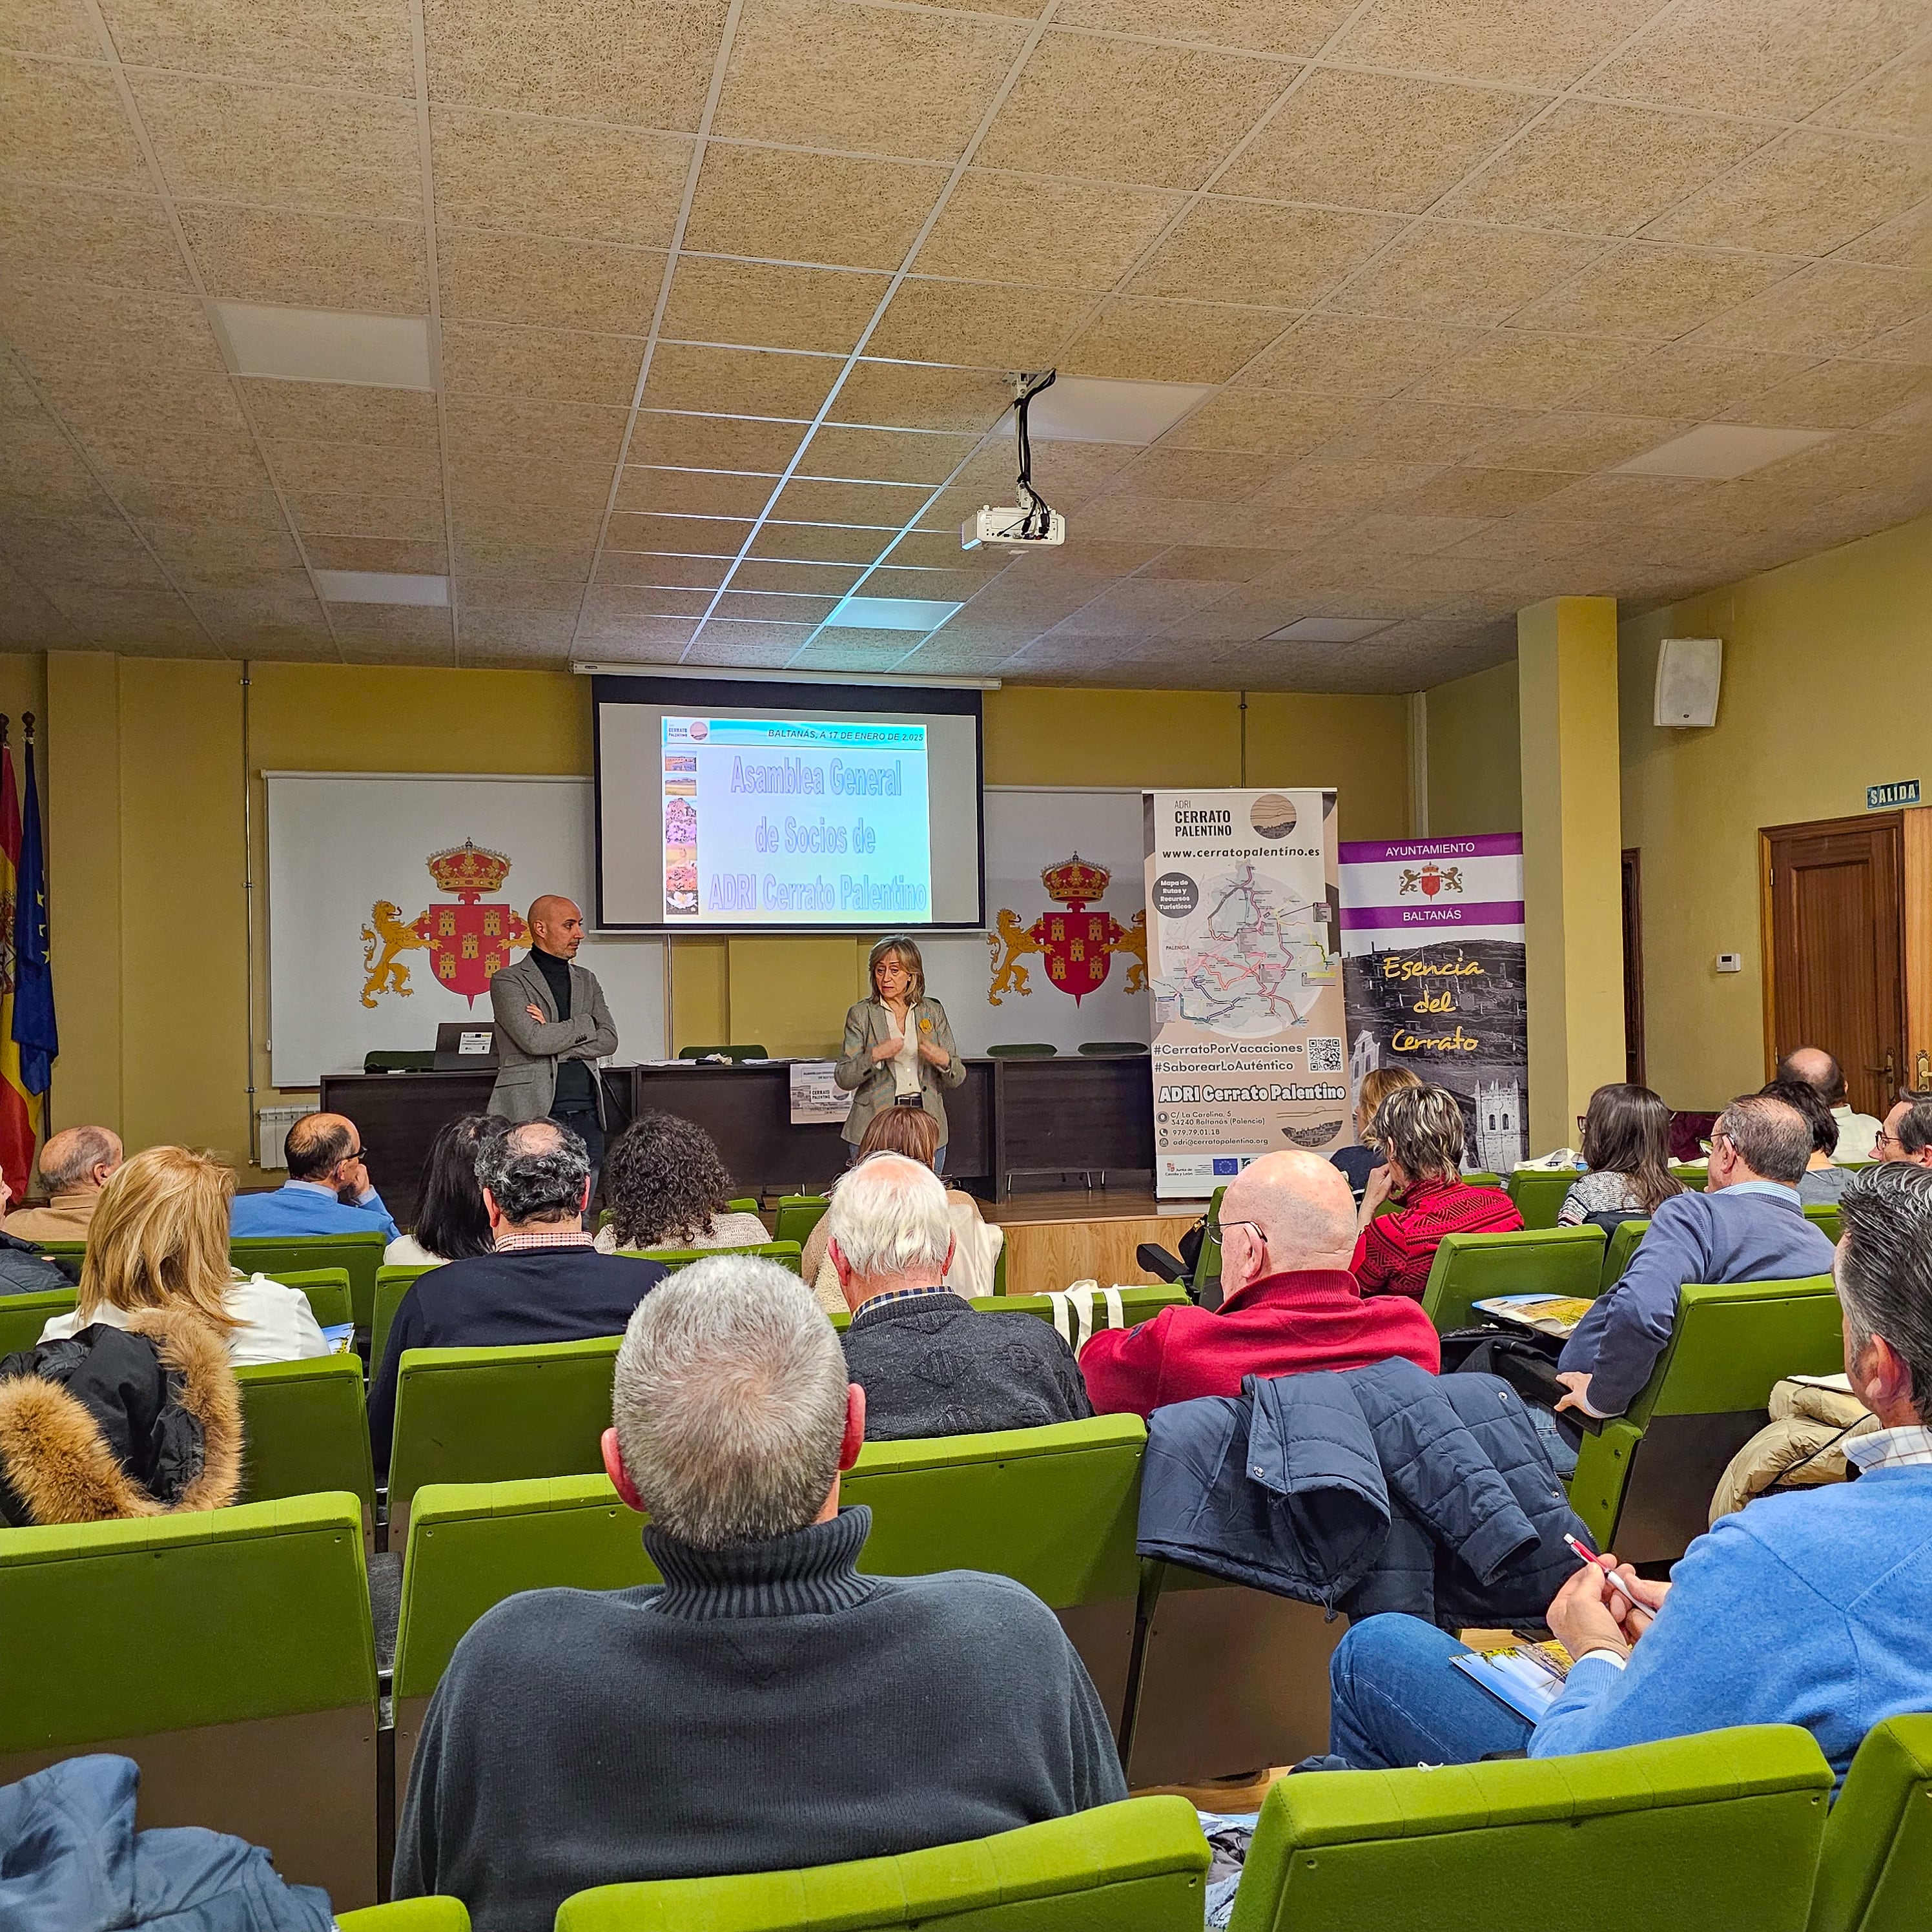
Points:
(870, 1081)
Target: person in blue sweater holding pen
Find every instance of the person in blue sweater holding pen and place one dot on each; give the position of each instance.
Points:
(1804, 1609)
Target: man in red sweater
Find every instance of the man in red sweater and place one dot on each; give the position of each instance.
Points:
(1288, 1303)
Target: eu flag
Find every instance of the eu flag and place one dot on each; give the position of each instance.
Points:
(34, 1032)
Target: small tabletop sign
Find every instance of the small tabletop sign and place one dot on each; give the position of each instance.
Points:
(1883, 797)
(816, 1097)
(474, 1042)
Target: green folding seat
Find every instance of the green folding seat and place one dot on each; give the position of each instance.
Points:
(798, 1214)
(1719, 1832)
(328, 1292)
(1625, 1240)
(1469, 1268)
(1876, 1872)
(23, 1316)
(228, 1652)
(1538, 1193)
(746, 1205)
(1643, 1482)
(1694, 1178)
(1826, 1215)
(62, 1251)
(305, 1431)
(1481, 1176)
(408, 1915)
(392, 1285)
(1140, 1866)
(785, 1253)
(1138, 1304)
(1208, 1263)
(361, 1254)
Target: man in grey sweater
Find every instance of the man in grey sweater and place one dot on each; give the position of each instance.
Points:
(766, 1706)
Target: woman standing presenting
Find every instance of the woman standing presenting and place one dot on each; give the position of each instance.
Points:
(899, 1048)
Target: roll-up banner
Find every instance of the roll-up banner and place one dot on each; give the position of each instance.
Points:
(1244, 971)
(1432, 940)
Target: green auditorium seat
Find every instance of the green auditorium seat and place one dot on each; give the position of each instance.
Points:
(1875, 1872)
(1032, 1049)
(1138, 1304)
(1538, 1193)
(1625, 1240)
(1719, 1832)
(228, 1652)
(328, 1292)
(785, 1253)
(1692, 1178)
(746, 1205)
(361, 1254)
(1469, 1268)
(23, 1316)
(62, 1251)
(1643, 1483)
(1826, 1215)
(734, 1054)
(392, 1285)
(1208, 1263)
(305, 1431)
(798, 1214)
(408, 1915)
(1140, 1866)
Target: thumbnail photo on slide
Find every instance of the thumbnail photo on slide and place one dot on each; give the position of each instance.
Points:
(785, 820)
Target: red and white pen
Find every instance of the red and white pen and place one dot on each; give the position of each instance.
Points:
(1603, 1563)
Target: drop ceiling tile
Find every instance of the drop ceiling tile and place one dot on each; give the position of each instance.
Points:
(524, 557)
(765, 607)
(618, 603)
(925, 584)
(598, 60)
(517, 489)
(392, 634)
(679, 536)
(1265, 26)
(1326, 487)
(1246, 251)
(49, 27)
(1137, 339)
(1896, 100)
(1480, 493)
(570, 527)
(1208, 475)
(1374, 140)
(693, 493)
(876, 505)
(1842, 394)
(776, 205)
(522, 431)
(1809, 193)
(326, 153)
(1648, 291)
(485, 276)
(768, 305)
(546, 177)
(1760, 57)
(203, 550)
(1171, 113)
(389, 556)
(746, 643)
(905, 395)
(291, 42)
(1212, 563)
(939, 550)
(1686, 380)
(391, 469)
(364, 512)
(1540, 43)
(1352, 356)
(497, 590)
(1575, 442)
(1904, 243)
(1414, 431)
(309, 261)
(1065, 234)
(818, 543)
(667, 635)
(824, 579)
(713, 442)
(1126, 517)
(1912, 343)
(992, 325)
(513, 637)
(739, 382)
(341, 413)
(71, 234)
(884, 455)
(29, 620)
(1830, 308)
(150, 622)
(1593, 169)
(1468, 275)
(827, 74)
(1521, 371)
(486, 359)
(62, 122)
(1069, 471)
(844, 647)
(148, 341)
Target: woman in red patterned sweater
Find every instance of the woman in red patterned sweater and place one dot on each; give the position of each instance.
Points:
(1420, 1132)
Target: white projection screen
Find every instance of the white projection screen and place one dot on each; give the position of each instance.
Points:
(731, 806)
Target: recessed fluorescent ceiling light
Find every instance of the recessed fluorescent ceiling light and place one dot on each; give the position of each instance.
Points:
(1716, 451)
(1328, 630)
(381, 587)
(892, 613)
(1096, 409)
(324, 345)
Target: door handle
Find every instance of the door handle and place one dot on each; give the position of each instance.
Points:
(1885, 1069)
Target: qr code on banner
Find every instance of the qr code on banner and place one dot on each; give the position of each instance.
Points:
(1324, 1055)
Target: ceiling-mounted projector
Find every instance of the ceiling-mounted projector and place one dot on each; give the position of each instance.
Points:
(1032, 523)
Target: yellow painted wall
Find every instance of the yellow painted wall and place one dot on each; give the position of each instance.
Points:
(1827, 689)
(1475, 763)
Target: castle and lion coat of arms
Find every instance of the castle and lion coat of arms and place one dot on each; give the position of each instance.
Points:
(1077, 943)
(468, 942)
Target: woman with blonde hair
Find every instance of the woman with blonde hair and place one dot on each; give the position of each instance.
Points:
(159, 1240)
(899, 1050)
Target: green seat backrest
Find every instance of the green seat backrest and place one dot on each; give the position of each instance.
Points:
(1023, 1050)
(408, 1915)
(1692, 1178)
(1876, 1874)
(785, 1253)
(1538, 1193)
(1208, 1263)
(361, 1254)
(1481, 1176)
(746, 1205)
(1469, 1268)
(798, 1215)
(1828, 1216)
(304, 1430)
(62, 1251)
(1719, 1831)
(1141, 1866)
(731, 1053)
(999, 1269)
(1625, 1240)
(392, 1283)
(23, 1316)
(1138, 1304)
(328, 1292)
(1730, 1343)
(487, 1415)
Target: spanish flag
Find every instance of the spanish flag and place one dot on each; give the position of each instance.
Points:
(19, 1111)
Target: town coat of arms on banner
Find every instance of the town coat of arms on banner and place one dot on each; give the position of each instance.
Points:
(468, 942)
(1077, 943)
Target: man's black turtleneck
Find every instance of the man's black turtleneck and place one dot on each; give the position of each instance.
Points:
(765, 1707)
(575, 1094)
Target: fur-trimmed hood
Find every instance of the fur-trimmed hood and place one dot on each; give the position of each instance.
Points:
(141, 1421)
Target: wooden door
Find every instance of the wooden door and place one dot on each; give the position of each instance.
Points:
(1836, 948)
(1634, 966)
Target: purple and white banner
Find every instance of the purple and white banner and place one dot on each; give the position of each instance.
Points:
(1432, 970)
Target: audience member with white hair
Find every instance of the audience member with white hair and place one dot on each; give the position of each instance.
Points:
(1289, 1304)
(75, 1164)
(766, 1706)
(930, 1363)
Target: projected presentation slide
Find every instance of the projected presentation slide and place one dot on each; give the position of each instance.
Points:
(798, 821)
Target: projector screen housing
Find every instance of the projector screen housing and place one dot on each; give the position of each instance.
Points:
(724, 806)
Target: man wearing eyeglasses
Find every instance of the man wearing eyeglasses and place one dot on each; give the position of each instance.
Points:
(1289, 1304)
(327, 1191)
(1906, 1134)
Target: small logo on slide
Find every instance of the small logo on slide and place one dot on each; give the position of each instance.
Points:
(699, 730)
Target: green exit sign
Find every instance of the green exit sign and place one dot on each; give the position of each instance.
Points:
(1879, 798)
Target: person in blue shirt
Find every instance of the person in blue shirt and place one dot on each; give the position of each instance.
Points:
(1807, 1608)
(327, 1191)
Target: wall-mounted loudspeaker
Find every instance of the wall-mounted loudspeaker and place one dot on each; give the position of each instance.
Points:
(1688, 672)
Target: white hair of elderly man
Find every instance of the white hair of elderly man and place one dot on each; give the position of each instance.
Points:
(888, 1222)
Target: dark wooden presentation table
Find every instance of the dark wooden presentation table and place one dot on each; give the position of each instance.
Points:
(1008, 1119)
